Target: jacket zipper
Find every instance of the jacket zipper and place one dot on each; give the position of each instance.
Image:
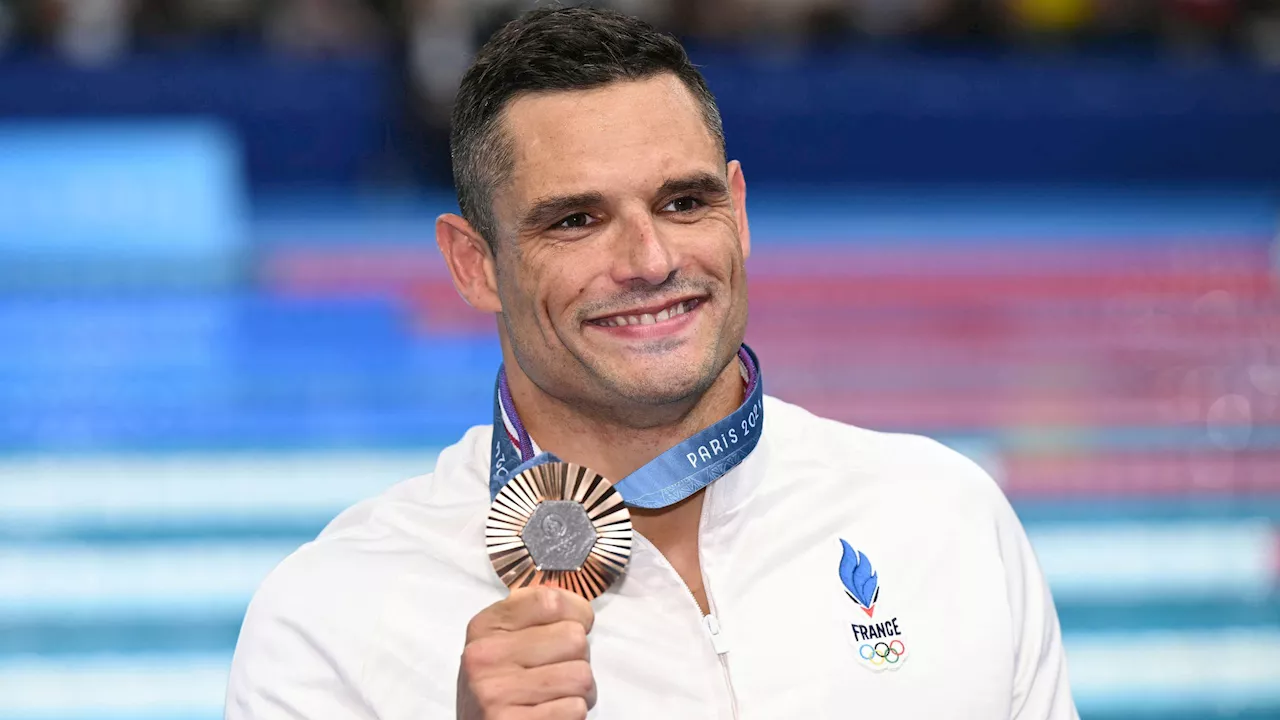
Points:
(719, 643)
(710, 623)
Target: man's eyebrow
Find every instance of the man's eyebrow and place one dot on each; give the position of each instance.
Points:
(550, 209)
(699, 184)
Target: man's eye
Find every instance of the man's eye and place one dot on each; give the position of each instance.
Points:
(579, 220)
(683, 205)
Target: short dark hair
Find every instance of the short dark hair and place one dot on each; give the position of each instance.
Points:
(547, 50)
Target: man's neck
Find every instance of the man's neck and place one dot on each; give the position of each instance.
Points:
(611, 448)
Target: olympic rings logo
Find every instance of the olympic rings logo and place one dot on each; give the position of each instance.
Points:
(883, 653)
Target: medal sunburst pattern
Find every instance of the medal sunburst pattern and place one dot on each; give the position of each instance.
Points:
(518, 500)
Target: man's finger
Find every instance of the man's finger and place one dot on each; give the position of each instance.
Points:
(530, 607)
(536, 686)
(574, 708)
(542, 645)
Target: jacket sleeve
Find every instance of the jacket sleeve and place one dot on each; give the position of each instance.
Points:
(1041, 688)
(291, 663)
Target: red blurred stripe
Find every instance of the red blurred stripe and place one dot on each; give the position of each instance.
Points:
(934, 412)
(1149, 473)
(998, 336)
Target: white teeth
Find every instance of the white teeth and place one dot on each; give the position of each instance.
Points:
(648, 319)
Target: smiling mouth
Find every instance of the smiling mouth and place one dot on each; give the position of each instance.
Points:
(666, 314)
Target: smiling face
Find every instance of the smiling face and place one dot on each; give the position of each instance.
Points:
(619, 258)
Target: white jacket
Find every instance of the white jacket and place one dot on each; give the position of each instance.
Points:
(368, 621)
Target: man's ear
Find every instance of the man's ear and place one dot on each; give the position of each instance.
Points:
(738, 190)
(470, 261)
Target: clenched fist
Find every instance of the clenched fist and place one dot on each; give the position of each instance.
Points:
(527, 659)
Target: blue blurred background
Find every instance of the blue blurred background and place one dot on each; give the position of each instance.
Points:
(1042, 231)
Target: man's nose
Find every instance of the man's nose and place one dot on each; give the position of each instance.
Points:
(645, 255)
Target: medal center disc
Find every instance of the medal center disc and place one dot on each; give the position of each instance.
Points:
(559, 535)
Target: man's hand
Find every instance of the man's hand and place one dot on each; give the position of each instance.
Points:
(527, 659)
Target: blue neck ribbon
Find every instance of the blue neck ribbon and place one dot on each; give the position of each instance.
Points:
(666, 480)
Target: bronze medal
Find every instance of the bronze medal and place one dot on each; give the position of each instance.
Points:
(559, 524)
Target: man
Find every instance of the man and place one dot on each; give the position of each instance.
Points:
(829, 572)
